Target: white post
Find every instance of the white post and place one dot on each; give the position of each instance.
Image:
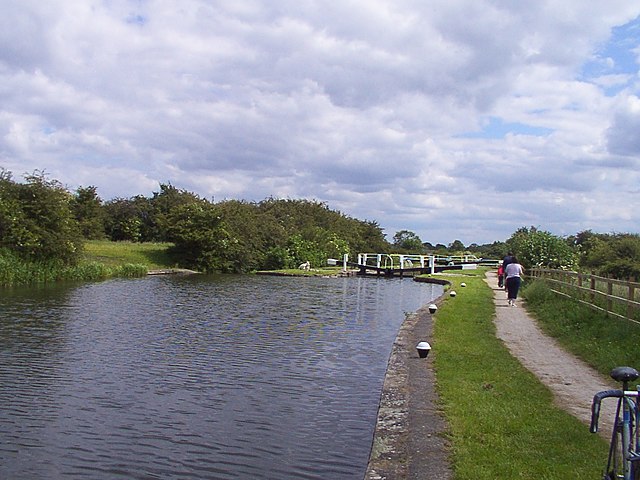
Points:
(432, 264)
(345, 259)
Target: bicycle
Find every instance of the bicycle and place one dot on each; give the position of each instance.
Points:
(624, 450)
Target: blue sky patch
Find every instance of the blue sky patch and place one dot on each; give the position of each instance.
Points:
(617, 56)
(496, 128)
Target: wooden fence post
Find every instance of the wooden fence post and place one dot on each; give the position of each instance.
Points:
(580, 294)
(609, 293)
(600, 293)
(631, 297)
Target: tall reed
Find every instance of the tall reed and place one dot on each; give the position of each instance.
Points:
(15, 271)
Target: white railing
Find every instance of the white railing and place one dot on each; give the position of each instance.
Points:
(395, 261)
(400, 261)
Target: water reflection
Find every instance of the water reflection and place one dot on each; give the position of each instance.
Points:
(197, 377)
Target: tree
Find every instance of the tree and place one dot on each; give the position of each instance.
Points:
(617, 255)
(301, 250)
(155, 223)
(331, 231)
(87, 210)
(456, 246)
(407, 241)
(537, 248)
(123, 219)
(367, 236)
(36, 220)
(255, 235)
(200, 239)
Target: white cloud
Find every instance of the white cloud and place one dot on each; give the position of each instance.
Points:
(365, 105)
(622, 136)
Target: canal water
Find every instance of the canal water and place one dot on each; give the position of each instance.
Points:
(197, 377)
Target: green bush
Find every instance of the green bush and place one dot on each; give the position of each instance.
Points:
(537, 248)
(621, 268)
(200, 239)
(36, 219)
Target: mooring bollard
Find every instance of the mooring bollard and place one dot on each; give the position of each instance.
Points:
(423, 349)
(453, 293)
(432, 308)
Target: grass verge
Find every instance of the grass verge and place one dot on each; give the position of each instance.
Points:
(152, 255)
(296, 272)
(503, 423)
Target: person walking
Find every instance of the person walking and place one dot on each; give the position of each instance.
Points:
(509, 258)
(513, 273)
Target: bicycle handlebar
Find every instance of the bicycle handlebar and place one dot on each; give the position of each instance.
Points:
(595, 406)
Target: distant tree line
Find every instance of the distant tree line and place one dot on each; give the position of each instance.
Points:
(40, 220)
(616, 255)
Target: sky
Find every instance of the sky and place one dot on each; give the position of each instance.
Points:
(453, 119)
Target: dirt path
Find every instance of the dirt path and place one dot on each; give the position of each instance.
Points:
(572, 382)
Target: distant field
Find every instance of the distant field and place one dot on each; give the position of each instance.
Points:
(153, 255)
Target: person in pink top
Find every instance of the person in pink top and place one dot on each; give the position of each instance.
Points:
(500, 277)
(513, 273)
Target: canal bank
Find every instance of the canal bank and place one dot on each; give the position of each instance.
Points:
(410, 439)
(411, 436)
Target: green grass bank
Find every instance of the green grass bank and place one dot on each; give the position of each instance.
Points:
(153, 256)
(99, 260)
(502, 420)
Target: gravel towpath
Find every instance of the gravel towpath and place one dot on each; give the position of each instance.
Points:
(572, 382)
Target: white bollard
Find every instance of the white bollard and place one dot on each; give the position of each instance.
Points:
(423, 349)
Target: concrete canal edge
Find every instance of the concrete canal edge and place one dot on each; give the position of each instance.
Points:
(172, 271)
(410, 438)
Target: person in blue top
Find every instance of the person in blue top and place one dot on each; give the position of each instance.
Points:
(510, 258)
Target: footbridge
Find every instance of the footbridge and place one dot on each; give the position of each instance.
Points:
(390, 264)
